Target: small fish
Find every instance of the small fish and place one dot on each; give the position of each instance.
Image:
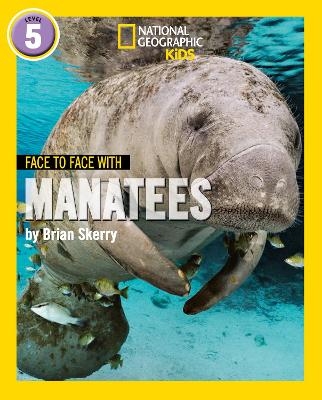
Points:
(21, 207)
(54, 312)
(18, 250)
(43, 249)
(28, 246)
(109, 288)
(192, 267)
(36, 225)
(65, 289)
(86, 339)
(275, 241)
(35, 259)
(105, 303)
(97, 296)
(297, 260)
(116, 361)
(18, 277)
(30, 269)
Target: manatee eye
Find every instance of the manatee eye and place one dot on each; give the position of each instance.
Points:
(199, 120)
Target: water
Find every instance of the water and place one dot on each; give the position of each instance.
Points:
(255, 334)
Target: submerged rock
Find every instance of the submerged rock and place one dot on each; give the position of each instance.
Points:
(260, 340)
(160, 300)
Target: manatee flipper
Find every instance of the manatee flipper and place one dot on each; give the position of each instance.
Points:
(137, 254)
(239, 266)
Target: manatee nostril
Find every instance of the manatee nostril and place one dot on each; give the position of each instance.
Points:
(281, 185)
(256, 181)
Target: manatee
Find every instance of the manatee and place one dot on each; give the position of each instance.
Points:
(213, 118)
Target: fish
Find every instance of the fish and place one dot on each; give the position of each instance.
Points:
(30, 269)
(35, 259)
(97, 296)
(36, 225)
(116, 361)
(296, 260)
(109, 288)
(275, 241)
(65, 289)
(21, 207)
(28, 246)
(105, 303)
(54, 312)
(86, 339)
(192, 267)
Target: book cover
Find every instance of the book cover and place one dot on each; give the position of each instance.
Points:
(160, 195)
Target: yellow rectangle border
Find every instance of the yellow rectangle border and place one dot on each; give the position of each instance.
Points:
(312, 384)
(119, 36)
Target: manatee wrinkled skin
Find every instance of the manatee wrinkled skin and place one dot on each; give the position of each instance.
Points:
(213, 118)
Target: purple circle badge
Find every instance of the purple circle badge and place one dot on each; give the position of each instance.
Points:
(33, 34)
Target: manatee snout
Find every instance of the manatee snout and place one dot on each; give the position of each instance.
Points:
(255, 189)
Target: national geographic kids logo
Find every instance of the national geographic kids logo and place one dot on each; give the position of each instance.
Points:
(176, 40)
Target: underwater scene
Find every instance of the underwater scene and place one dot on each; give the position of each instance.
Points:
(256, 333)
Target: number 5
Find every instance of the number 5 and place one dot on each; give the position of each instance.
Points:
(35, 37)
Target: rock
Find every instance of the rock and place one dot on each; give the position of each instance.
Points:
(160, 300)
(260, 340)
